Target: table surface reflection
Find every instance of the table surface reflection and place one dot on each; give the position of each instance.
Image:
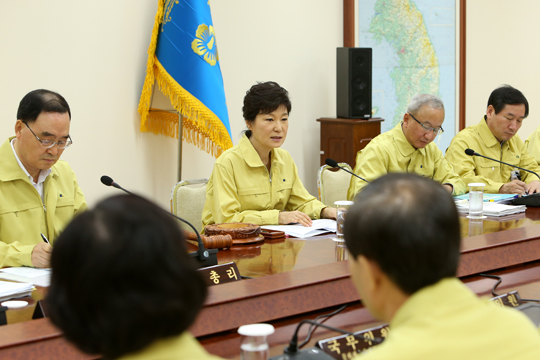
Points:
(271, 257)
(495, 224)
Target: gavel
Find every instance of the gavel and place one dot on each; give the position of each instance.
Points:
(211, 242)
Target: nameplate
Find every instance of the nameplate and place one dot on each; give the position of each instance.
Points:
(221, 274)
(512, 299)
(345, 347)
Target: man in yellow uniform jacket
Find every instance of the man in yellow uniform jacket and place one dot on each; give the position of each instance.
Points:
(533, 145)
(403, 237)
(408, 148)
(496, 137)
(39, 195)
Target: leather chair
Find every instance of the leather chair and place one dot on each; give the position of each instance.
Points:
(333, 185)
(187, 201)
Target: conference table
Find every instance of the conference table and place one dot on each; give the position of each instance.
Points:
(295, 279)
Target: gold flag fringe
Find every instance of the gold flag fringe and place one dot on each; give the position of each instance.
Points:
(146, 94)
(200, 125)
(166, 123)
(163, 122)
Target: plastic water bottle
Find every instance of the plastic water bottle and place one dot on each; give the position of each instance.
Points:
(254, 345)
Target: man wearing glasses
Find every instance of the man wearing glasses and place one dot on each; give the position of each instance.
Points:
(408, 148)
(496, 137)
(38, 194)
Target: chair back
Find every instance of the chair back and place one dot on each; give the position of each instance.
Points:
(333, 185)
(187, 201)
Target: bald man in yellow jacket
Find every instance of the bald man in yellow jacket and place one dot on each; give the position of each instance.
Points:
(409, 147)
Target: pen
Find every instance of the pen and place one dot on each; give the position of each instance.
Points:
(45, 239)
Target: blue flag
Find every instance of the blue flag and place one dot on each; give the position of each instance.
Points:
(183, 59)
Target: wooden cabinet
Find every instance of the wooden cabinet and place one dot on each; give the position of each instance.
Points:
(341, 139)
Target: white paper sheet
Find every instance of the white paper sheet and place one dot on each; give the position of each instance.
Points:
(318, 227)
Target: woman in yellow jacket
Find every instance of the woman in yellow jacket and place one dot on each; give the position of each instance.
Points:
(123, 285)
(256, 181)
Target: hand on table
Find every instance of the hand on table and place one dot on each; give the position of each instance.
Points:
(291, 217)
(329, 213)
(513, 187)
(533, 187)
(41, 255)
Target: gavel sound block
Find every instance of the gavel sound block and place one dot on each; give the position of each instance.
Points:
(221, 236)
(241, 233)
(211, 242)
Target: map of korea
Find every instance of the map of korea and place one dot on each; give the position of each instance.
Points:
(401, 24)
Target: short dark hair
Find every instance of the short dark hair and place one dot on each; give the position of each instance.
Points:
(121, 278)
(41, 100)
(409, 226)
(264, 98)
(507, 95)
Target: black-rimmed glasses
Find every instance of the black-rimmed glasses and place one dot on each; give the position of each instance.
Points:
(427, 128)
(50, 143)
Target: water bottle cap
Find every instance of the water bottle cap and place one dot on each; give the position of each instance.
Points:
(343, 203)
(256, 330)
(476, 184)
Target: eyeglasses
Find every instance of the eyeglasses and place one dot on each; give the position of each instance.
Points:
(427, 128)
(50, 143)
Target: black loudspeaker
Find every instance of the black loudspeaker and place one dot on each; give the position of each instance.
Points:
(354, 67)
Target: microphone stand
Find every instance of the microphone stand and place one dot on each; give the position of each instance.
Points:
(529, 200)
(208, 257)
(334, 164)
(292, 351)
(502, 162)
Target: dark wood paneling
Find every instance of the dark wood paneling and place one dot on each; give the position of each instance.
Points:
(36, 340)
(462, 61)
(348, 23)
(274, 297)
(341, 139)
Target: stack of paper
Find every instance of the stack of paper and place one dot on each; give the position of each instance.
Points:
(496, 198)
(38, 277)
(11, 290)
(318, 227)
(492, 209)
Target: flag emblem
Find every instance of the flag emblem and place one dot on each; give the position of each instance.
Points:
(204, 44)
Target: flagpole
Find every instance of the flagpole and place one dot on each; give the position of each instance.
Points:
(191, 82)
(179, 147)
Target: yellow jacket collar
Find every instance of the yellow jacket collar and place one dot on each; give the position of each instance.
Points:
(251, 156)
(9, 167)
(486, 135)
(180, 346)
(427, 300)
(403, 145)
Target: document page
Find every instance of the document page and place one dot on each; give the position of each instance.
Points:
(39, 277)
(318, 227)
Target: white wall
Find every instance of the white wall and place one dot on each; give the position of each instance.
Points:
(503, 48)
(292, 43)
(94, 53)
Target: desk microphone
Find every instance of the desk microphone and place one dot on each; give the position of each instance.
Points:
(471, 152)
(529, 200)
(292, 352)
(105, 180)
(207, 257)
(334, 164)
